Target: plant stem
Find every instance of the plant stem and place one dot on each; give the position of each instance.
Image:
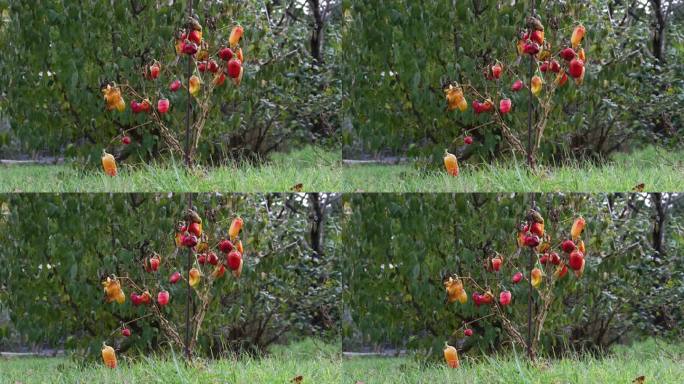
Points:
(530, 351)
(188, 163)
(188, 331)
(530, 155)
(188, 112)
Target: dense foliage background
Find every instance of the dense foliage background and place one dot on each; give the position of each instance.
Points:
(398, 248)
(398, 52)
(56, 53)
(55, 249)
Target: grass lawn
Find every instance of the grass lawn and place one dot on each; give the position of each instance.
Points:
(315, 169)
(315, 362)
(657, 169)
(658, 363)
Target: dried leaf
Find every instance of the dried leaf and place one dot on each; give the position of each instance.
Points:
(640, 379)
(297, 379)
(297, 187)
(639, 187)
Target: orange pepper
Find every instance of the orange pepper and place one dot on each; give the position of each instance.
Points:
(577, 228)
(108, 356)
(536, 85)
(451, 164)
(577, 35)
(195, 276)
(194, 85)
(109, 164)
(235, 36)
(536, 277)
(451, 356)
(235, 228)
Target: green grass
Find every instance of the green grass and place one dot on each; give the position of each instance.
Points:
(315, 362)
(315, 169)
(657, 169)
(660, 364)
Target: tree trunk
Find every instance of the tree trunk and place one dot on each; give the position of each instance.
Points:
(660, 22)
(659, 30)
(658, 234)
(317, 31)
(316, 231)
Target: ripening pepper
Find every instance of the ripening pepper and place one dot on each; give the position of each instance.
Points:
(219, 271)
(195, 276)
(486, 298)
(568, 246)
(235, 227)
(451, 163)
(455, 291)
(235, 36)
(537, 229)
(505, 298)
(520, 46)
(537, 37)
(108, 356)
(576, 68)
(113, 291)
(179, 46)
(531, 48)
(561, 271)
(521, 237)
(577, 228)
(496, 263)
(451, 356)
(233, 260)
(576, 260)
(496, 70)
(517, 277)
(577, 35)
(455, 99)
(452, 286)
(504, 106)
(109, 164)
(219, 79)
(536, 85)
(536, 277)
(194, 85)
(112, 96)
(145, 298)
(561, 78)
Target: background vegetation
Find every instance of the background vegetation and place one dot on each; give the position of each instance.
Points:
(56, 54)
(55, 250)
(398, 52)
(631, 288)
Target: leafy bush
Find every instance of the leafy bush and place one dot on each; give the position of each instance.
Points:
(399, 55)
(57, 54)
(393, 273)
(58, 248)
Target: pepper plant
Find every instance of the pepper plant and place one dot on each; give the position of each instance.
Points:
(551, 60)
(175, 102)
(154, 284)
(549, 260)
